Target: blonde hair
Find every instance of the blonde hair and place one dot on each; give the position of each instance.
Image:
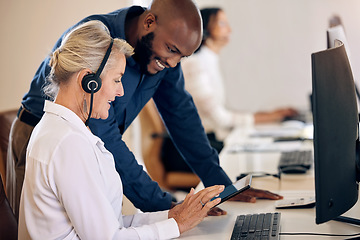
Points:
(83, 47)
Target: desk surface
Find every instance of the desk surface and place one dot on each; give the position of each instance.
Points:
(290, 186)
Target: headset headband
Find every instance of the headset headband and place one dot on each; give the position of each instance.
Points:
(103, 62)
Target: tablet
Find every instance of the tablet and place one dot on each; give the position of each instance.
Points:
(234, 189)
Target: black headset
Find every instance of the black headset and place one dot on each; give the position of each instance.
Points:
(91, 83)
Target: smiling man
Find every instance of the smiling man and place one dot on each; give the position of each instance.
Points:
(162, 34)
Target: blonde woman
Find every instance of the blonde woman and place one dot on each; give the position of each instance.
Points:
(71, 188)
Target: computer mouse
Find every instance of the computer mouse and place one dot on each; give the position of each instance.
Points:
(294, 169)
(293, 124)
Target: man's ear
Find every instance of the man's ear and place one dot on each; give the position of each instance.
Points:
(149, 22)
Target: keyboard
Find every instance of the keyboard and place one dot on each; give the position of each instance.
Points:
(296, 161)
(257, 226)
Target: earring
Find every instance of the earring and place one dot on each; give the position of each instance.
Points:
(85, 105)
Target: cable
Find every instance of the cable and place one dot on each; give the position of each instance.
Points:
(91, 106)
(322, 234)
(259, 174)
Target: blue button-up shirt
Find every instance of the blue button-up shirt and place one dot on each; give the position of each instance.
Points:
(175, 106)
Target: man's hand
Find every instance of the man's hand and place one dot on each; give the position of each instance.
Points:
(252, 194)
(216, 211)
(249, 195)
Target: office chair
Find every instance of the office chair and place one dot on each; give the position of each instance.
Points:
(152, 128)
(8, 223)
(6, 119)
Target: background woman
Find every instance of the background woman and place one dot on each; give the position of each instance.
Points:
(204, 81)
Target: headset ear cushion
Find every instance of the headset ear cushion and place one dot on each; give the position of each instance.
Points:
(91, 82)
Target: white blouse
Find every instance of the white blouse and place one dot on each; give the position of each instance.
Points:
(71, 188)
(203, 80)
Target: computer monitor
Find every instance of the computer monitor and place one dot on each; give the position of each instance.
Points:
(335, 118)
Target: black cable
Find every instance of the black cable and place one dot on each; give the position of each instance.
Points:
(259, 174)
(322, 234)
(91, 106)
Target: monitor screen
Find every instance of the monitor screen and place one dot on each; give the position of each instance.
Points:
(337, 33)
(335, 117)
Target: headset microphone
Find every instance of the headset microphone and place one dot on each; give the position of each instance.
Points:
(91, 83)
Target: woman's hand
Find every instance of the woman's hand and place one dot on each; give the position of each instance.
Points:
(195, 207)
(274, 116)
(215, 211)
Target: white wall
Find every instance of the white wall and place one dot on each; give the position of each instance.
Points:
(29, 30)
(267, 63)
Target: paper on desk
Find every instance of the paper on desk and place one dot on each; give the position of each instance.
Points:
(277, 132)
(305, 131)
(265, 147)
(291, 194)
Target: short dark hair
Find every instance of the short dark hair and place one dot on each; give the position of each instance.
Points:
(207, 14)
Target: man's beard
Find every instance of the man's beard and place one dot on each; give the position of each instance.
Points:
(143, 52)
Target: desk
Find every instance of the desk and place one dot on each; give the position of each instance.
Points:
(290, 186)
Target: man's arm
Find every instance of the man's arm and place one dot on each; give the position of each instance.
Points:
(183, 123)
(144, 193)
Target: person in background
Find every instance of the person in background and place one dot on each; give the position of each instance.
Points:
(161, 35)
(334, 21)
(204, 81)
(71, 187)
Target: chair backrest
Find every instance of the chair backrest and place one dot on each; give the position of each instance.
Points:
(8, 223)
(151, 125)
(6, 119)
(152, 132)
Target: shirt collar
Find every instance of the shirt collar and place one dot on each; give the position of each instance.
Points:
(72, 118)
